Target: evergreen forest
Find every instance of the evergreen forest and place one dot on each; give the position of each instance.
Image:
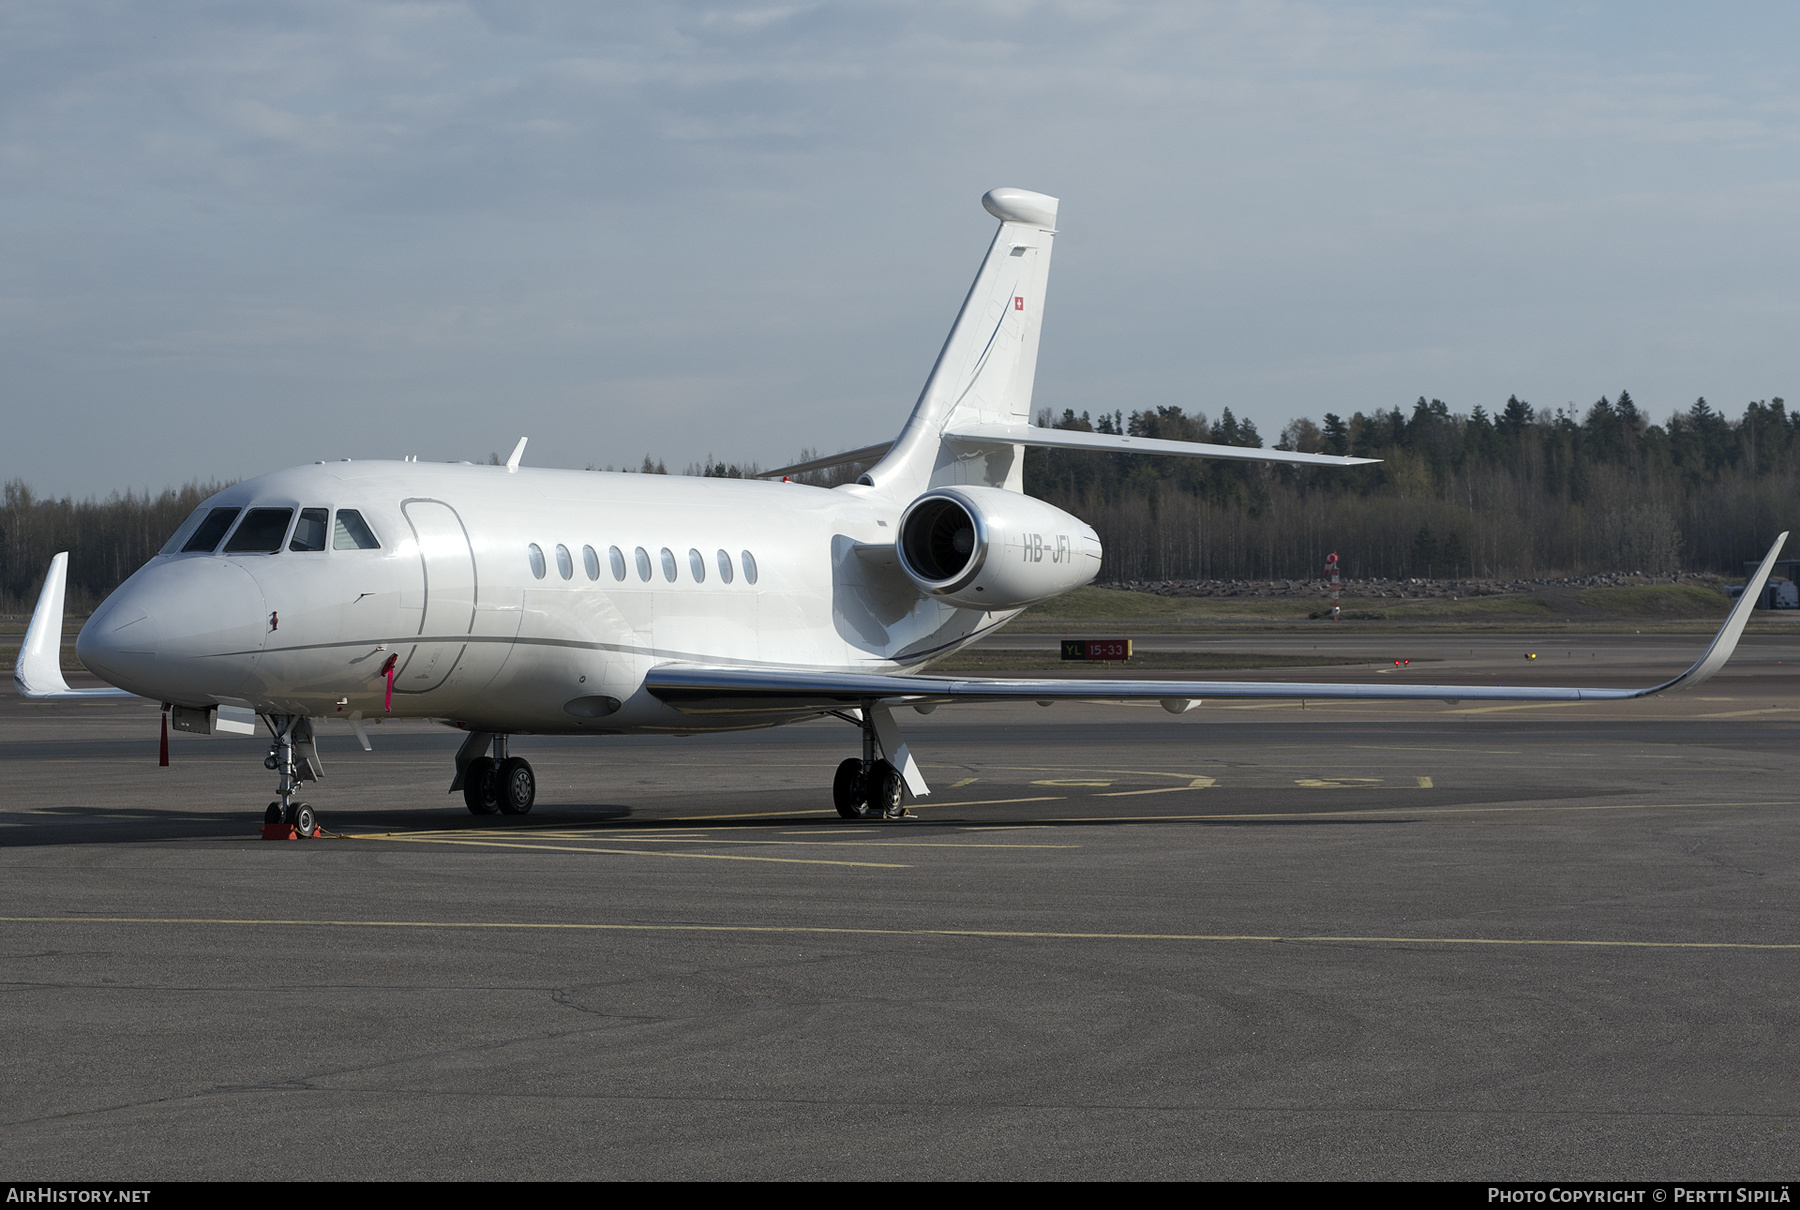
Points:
(1521, 493)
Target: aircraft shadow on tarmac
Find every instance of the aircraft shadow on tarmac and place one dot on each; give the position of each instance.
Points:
(75, 825)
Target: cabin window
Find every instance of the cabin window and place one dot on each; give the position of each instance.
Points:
(309, 534)
(697, 565)
(616, 557)
(260, 532)
(590, 562)
(565, 566)
(725, 567)
(668, 562)
(352, 532)
(535, 553)
(207, 536)
(643, 562)
(749, 562)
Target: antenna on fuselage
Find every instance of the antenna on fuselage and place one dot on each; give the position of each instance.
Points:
(512, 462)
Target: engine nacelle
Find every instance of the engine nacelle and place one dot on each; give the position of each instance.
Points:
(985, 548)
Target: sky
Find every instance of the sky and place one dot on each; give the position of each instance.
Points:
(236, 237)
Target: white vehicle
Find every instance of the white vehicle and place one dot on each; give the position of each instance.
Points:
(511, 600)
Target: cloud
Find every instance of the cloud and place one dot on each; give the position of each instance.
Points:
(370, 208)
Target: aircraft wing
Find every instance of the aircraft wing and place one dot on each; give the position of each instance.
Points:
(38, 671)
(700, 689)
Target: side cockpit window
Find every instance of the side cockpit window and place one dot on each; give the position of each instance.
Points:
(353, 533)
(180, 537)
(309, 534)
(260, 532)
(207, 534)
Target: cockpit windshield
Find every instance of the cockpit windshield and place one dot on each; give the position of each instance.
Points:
(261, 532)
(262, 529)
(207, 536)
(309, 534)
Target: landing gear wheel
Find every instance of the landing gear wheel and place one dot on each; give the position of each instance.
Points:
(516, 786)
(887, 791)
(481, 789)
(847, 793)
(273, 814)
(305, 822)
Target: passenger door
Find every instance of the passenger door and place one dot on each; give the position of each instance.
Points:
(449, 568)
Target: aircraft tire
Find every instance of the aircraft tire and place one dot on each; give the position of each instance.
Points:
(305, 822)
(847, 793)
(273, 814)
(515, 786)
(480, 790)
(887, 790)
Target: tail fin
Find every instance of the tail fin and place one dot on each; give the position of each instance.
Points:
(985, 371)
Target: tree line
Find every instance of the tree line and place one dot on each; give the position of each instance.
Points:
(107, 539)
(1522, 492)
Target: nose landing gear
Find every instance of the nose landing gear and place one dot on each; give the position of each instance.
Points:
(295, 759)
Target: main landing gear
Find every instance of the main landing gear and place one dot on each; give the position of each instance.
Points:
(870, 787)
(499, 783)
(295, 759)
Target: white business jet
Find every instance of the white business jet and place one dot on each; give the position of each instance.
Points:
(510, 600)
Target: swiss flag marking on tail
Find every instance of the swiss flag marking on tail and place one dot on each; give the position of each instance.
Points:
(1018, 303)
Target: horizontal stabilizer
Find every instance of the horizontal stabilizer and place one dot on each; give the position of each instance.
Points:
(38, 672)
(794, 690)
(1075, 439)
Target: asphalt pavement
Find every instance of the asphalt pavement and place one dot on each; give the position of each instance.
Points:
(1259, 940)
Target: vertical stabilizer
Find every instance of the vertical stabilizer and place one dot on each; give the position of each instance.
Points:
(985, 371)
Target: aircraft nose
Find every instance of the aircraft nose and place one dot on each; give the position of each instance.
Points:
(180, 630)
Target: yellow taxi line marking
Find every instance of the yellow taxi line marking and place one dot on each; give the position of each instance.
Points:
(611, 837)
(1425, 783)
(967, 781)
(1525, 706)
(1198, 783)
(752, 815)
(910, 844)
(992, 802)
(1001, 934)
(1627, 806)
(1748, 713)
(497, 844)
(1090, 769)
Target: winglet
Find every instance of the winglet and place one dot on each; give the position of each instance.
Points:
(38, 672)
(512, 462)
(1725, 642)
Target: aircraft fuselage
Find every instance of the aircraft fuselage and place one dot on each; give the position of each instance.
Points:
(629, 571)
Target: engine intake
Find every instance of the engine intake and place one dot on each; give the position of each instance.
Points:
(942, 542)
(990, 549)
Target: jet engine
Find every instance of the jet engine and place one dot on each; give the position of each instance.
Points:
(985, 548)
